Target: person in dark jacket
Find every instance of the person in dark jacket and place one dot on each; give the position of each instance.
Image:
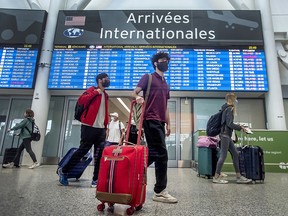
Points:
(229, 110)
(25, 134)
(93, 129)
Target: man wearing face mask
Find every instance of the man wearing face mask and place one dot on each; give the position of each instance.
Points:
(93, 129)
(156, 117)
(115, 129)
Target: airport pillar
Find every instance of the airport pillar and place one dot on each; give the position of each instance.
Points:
(273, 99)
(41, 97)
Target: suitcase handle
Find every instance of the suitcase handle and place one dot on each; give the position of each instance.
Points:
(13, 137)
(133, 103)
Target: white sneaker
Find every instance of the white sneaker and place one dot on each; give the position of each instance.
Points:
(243, 180)
(223, 174)
(164, 197)
(8, 165)
(34, 165)
(219, 180)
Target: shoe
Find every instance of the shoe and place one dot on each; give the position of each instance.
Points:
(8, 165)
(34, 165)
(62, 178)
(243, 180)
(94, 184)
(164, 197)
(219, 180)
(223, 174)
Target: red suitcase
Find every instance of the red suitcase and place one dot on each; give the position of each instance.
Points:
(123, 173)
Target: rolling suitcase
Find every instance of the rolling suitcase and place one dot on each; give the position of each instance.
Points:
(207, 161)
(123, 173)
(77, 170)
(251, 162)
(10, 153)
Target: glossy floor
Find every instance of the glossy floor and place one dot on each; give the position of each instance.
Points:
(37, 192)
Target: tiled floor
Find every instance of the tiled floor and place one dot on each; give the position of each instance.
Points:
(37, 192)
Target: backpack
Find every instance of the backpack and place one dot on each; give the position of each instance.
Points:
(213, 127)
(79, 109)
(35, 133)
(133, 134)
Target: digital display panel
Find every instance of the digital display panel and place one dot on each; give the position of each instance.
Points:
(21, 35)
(17, 66)
(210, 50)
(241, 68)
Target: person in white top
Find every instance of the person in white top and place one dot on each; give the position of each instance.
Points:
(115, 129)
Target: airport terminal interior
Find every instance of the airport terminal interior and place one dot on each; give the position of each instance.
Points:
(51, 51)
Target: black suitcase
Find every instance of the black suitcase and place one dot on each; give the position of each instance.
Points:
(251, 162)
(10, 153)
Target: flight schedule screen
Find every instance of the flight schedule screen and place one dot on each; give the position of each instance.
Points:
(17, 66)
(237, 68)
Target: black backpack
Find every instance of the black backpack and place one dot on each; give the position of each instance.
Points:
(213, 127)
(133, 134)
(35, 133)
(79, 109)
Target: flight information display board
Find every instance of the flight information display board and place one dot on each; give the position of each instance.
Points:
(17, 66)
(237, 68)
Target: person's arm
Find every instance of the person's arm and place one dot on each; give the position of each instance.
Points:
(142, 84)
(229, 120)
(89, 94)
(137, 97)
(167, 118)
(20, 125)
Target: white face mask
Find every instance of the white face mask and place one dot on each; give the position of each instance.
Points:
(112, 118)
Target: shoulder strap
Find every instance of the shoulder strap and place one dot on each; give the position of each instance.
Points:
(120, 126)
(32, 127)
(148, 87)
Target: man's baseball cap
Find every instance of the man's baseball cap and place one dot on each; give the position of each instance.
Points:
(114, 114)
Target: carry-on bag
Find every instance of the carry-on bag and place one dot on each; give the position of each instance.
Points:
(79, 168)
(207, 161)
(123, 173)
(10, 153)
(251, 161)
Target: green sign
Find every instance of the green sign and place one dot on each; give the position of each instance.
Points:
(273, 143)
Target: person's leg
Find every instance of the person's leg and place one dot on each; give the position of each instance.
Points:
(99, 142)
(235, 157)
(223, 154)
(85, 145)
(155, 137)
(27, 144)
(149, 139)
(16, 159)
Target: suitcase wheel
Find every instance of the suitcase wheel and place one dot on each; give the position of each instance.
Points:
(138, 208)
(130, 211)
(101, 207)
(110, 207)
